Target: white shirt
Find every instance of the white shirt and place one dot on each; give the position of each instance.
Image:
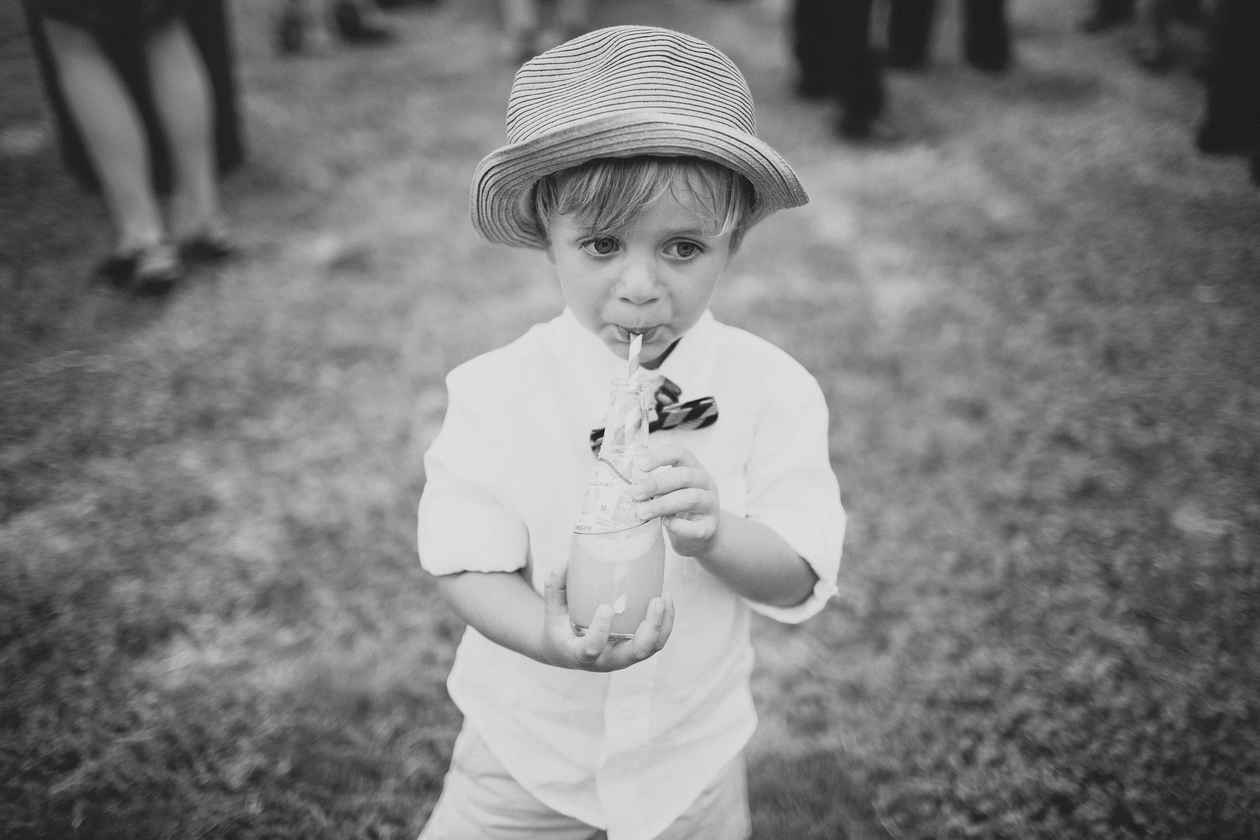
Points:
(630, 750)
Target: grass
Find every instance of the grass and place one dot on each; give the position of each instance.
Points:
(1034, 325)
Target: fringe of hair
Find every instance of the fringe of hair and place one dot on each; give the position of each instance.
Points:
(611, 192)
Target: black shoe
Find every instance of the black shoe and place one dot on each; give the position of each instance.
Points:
(144, 272)
(355, 29)
(207, 248)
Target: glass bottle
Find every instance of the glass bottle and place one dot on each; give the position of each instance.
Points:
(616, 558)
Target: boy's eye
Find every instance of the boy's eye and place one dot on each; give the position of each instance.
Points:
(684, 249)
(601, 246)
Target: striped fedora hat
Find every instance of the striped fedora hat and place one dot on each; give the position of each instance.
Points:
(623, 91)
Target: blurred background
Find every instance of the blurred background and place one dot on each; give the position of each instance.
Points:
(1028, 286)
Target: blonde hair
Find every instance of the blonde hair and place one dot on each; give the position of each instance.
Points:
(610, 192)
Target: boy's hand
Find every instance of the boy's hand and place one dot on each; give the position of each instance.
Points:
(680, 490)
(595, 651)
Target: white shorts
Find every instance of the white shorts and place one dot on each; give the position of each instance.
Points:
(480, 801)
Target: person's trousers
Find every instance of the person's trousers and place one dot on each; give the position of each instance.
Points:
(986, 34)
(831, 41)
(1231, 119)
(1114, 9)
(985, 30)
(910, 27)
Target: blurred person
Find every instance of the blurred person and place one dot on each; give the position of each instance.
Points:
(141, 113)
(531, 26)
(1231, 119)
(1154, 18)
(1106, 14)
(1154, 50)
(836, 61)
(910, 29)
(1154, 47)
(632, 162)
(298, 25)
(985, 31)
(986, 35)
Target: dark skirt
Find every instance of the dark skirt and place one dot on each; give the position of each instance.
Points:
(119, 29)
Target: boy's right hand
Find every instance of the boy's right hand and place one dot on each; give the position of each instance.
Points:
(594, 651)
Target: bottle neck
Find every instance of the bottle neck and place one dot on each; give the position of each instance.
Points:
(626, 424)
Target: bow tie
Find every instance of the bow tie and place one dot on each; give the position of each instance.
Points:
(671, 414)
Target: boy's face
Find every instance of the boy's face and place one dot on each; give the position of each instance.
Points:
(654, 276)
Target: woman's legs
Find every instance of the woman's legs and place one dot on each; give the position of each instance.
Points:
(112, 135)
(181, 96)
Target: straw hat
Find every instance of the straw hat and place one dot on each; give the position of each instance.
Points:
(620, 92)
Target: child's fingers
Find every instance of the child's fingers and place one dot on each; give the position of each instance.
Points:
(667, 480)
(596, 638)
(662, 454)
(555, 593)
(644, 643)
(667, 622)
(700, 528)
(688, 501)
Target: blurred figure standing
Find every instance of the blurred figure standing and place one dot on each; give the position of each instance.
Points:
(1231, 120)
(137, 115)
(831, 42)
(985, 29)
(298, 25)
(531, 26)
(1105, 14)
(1155, 18)
(1154, 48)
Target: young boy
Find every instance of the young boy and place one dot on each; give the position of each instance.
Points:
(632, 160)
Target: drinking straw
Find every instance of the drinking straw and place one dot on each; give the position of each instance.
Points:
(632, 358)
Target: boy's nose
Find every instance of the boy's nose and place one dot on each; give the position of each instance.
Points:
(638, 282)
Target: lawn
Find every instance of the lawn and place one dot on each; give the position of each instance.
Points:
(1035, 326)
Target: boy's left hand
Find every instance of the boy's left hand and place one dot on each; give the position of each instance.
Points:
(679, 490)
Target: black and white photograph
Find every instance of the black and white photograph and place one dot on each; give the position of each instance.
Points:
(630, 420)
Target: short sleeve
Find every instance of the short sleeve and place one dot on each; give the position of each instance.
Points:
(793, 490)
(464, 522)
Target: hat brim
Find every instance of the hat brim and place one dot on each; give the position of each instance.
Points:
(503, 180)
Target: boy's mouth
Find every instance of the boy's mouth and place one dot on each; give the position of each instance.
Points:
(626, 333)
